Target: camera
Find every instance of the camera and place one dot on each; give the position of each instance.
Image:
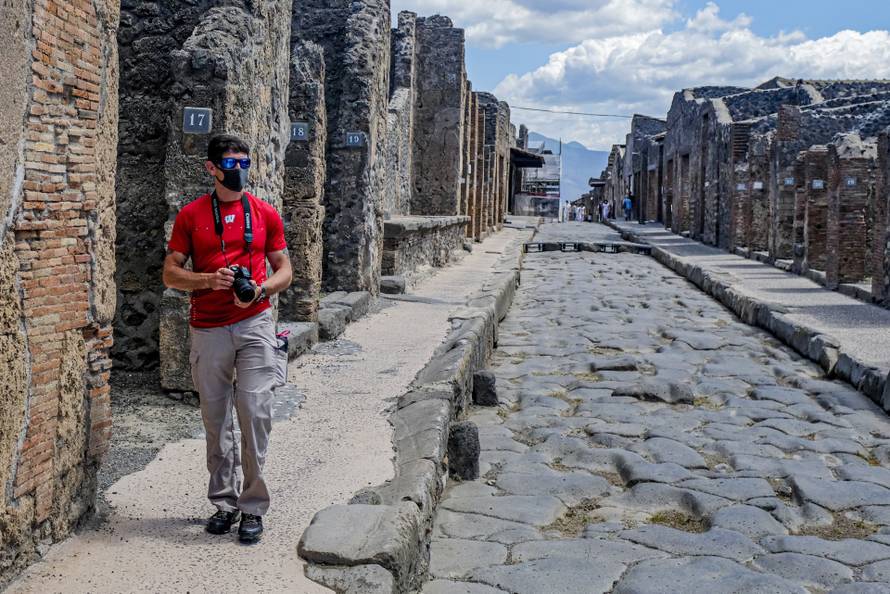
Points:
(244, 290)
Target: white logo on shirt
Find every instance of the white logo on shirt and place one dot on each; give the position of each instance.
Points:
(230, 218)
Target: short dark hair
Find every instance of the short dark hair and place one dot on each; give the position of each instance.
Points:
(225, 143)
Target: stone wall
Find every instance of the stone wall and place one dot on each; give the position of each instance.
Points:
(231, 63)
(355, 39)
(304, 178)
(881, 247)
(148, 34)
(400, 118)
(57, 297)
(816, 214)
(850, 181)
(441, 86)
(414, 242)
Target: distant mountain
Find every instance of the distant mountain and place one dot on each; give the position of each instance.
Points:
(579, 164)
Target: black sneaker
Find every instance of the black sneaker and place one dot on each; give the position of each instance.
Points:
(221, 522)
(251, 528)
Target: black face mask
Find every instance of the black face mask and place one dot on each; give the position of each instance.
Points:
(235, 179)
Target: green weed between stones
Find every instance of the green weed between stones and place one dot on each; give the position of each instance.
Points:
(679, 521)
(573, 521)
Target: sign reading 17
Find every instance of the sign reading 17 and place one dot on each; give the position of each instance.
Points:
(197, 120)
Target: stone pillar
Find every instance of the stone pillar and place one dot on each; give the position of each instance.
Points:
(479, 221)
(741, 206)
(304, 177)
(399, 159)
(355, 37)
(59, 129)
(782, 185)
(145, 44)
(471, 165)
(800, 213)
(465, 153)
(850, 173)
(758, 171)
(816, 216)
(881, 246)
(438, 128)
(235, 62)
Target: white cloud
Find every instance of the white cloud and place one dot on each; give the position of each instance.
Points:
(494, 23)
(639, 73)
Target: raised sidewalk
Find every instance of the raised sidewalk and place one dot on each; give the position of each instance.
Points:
(847, 337)
(339, 442)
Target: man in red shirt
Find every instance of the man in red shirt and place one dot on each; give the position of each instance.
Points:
(232, 329)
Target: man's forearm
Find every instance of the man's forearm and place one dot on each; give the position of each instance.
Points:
(279, 281)
(176, 277)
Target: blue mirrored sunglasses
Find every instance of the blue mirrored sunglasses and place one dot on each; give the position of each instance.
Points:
(229, 163)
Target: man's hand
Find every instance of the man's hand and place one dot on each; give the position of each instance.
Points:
(256, 293)
(222, 279)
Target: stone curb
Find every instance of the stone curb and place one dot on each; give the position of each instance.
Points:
(384, 547)
(809, 342)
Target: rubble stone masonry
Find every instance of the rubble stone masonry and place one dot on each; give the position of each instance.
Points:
(57, 296)
(881, 246)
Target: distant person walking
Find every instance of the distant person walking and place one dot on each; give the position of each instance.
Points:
(604, 210)
(628, 206)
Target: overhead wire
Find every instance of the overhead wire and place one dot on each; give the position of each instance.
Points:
(580, 113)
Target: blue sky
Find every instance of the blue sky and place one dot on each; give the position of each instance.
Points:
(630, 56)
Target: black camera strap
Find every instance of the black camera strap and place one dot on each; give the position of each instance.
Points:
(248, 227)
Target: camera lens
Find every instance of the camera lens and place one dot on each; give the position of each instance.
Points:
(241, 284)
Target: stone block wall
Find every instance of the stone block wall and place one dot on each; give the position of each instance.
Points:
(302, 200)
(400, 118)
(441, 87)
(355, 39)
(480, 221)
(232, 64)
(758, 172)
(57, 295)
(148, 33)
(850, 180)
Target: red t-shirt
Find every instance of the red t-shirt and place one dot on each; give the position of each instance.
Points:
(194, 235)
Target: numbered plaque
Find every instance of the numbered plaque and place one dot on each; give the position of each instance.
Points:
(818, 184)
(851, 182)
(355, 139)
(299, 131)
(789, 181)
(197, 120)
(741, 187)
(758, 185)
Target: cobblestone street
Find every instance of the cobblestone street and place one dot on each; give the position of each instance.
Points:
(647, 441)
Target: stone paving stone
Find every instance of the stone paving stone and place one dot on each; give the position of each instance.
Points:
(599, 549)
(871, 474)
(536, 510)
(840, 495)
(455, 557)
(473, 526)
(716, 541)
(566, 576)
(877, 572)
(862, 588)
(569, 487)
(807, 570)
(847, 551)
(451, 587)
(739, 489)
(668, 450)
(713, 575)
(751, 521)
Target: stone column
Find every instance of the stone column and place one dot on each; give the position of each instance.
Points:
(57, 230)
(881, 247)
(850, 172)
(241, 72)
(816, 217)
(438, 127)
(355, 37)
(800, 213)
(479, 220)
(304, 178)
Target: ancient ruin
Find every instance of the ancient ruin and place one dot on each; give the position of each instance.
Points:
(788, 172)
(369, 139)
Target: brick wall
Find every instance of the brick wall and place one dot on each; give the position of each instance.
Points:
(57, 300)
(850, 181)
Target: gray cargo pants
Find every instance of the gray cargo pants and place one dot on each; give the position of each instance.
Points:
(248, 349)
